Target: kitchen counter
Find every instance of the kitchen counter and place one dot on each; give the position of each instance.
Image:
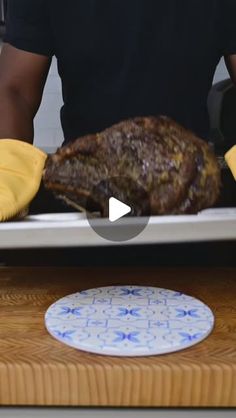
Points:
(37, 370)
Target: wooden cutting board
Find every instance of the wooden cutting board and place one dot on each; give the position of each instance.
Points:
(35, 369)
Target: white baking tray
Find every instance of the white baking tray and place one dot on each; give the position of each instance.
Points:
(73, 230)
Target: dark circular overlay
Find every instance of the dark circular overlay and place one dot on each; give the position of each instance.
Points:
(128, 192)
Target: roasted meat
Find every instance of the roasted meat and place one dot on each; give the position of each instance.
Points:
(177, 170)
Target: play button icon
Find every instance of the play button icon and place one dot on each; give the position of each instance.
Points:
(117, 209)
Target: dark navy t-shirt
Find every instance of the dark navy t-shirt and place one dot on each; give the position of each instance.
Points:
(124, 58)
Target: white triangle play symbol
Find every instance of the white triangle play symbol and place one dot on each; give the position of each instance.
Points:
(117, 209)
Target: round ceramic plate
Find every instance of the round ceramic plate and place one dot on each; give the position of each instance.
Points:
(129, 321)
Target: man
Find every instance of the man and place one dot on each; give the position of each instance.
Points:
(116, 59)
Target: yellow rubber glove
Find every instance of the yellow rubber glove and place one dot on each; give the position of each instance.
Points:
(230, 158)
(21, 168)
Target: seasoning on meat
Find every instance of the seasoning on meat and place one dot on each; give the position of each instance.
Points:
(178, 171)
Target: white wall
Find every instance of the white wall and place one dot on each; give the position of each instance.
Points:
(221, 72)
(48, 132)
(47, 126)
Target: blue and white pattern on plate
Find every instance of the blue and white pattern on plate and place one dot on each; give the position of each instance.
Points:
(129, 321)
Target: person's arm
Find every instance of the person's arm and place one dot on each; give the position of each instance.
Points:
(22, 79)
(228, 40)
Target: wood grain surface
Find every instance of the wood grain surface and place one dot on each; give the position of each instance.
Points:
(35, 369)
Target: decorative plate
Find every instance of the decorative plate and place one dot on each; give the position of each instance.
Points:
(129, 321)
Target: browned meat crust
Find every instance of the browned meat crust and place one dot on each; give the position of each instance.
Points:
(178, 170)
